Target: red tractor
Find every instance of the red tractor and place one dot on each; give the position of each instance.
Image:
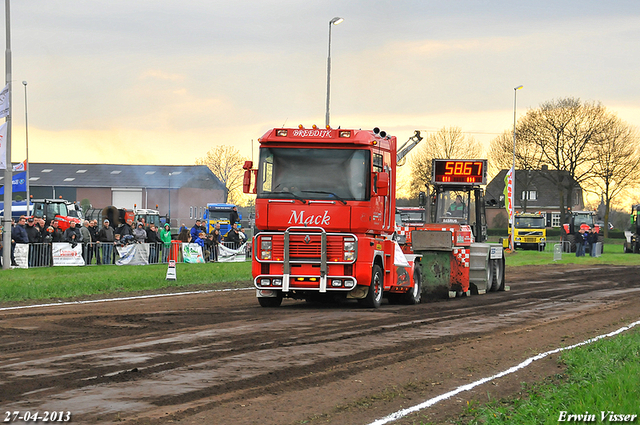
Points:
(579, 220)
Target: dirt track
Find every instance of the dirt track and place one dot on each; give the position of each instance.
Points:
(219, 358)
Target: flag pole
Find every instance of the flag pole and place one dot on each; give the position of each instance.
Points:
(8, 194)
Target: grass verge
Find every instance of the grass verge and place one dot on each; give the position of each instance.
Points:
(53, 283)
(600, 378)
(613, 254)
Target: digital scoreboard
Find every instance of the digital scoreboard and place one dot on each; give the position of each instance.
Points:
(459, 171)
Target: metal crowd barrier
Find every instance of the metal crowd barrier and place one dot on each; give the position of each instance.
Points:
(104, 253)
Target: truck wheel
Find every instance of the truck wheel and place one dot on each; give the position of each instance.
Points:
(271, 301)
(413, 296)
(498, 274)
(374, 296)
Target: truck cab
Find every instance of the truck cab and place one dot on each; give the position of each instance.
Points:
(531, 231)
(325, 210)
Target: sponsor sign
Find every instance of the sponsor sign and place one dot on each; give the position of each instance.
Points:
(64, 254)
(192, 253)
(136, 254)
(228, 255)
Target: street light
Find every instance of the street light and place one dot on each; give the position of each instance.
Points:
(513, 176)
(334, 21)
(26, 129)
(169, 200)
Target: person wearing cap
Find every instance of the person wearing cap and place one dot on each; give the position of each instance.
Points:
(165, 237)
(106, 240)
(34, 237)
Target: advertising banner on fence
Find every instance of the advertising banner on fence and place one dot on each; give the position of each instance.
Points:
(228, 255)
(22, 255)
(192, 253)
(64, 254)
(135, 254)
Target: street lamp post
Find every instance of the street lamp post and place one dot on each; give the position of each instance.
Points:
(169, 200)
(513, 174)
(26, 129)
(334, 21)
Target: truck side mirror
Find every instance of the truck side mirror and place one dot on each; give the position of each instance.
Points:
(246, 181)
(382, 184)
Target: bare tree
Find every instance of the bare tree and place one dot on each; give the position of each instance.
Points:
(447, 143)
(616, 166)
(561, 135)
(226, 163)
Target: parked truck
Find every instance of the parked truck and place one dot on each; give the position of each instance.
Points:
(219, 214)
(456, 257)
(325, 210)
(632, 236)
(531, 231)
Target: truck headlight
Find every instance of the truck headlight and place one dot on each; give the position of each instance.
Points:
(349, 256)
(350, 246)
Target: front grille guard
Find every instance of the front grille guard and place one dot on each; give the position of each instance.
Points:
(286, 263)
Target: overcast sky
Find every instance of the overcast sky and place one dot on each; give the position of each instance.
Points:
(162, 82)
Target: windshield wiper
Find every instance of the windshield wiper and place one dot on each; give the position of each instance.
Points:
(325, 193)
(299, 198)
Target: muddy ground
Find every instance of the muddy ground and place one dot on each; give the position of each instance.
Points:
(219, 358)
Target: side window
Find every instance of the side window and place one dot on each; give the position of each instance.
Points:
(377, 162)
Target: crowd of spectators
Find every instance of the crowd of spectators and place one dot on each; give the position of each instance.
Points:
(99, 242)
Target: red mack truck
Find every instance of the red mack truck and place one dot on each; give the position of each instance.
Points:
(325, 210)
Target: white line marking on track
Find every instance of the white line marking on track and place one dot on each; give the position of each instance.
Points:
(174, 294)
(404, 412)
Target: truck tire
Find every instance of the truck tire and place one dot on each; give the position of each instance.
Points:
(414, 295)
(374, 295)
(271, 301)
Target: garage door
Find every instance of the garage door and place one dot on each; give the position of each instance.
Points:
(126, 198)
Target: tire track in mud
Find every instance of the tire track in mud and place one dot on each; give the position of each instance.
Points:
(109, 363)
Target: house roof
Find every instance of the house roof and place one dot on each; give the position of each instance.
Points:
(539, 180)
(119, 175)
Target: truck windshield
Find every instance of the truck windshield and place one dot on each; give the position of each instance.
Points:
(453, 207)
(530, 222)
(296, 173)
(583, 219)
